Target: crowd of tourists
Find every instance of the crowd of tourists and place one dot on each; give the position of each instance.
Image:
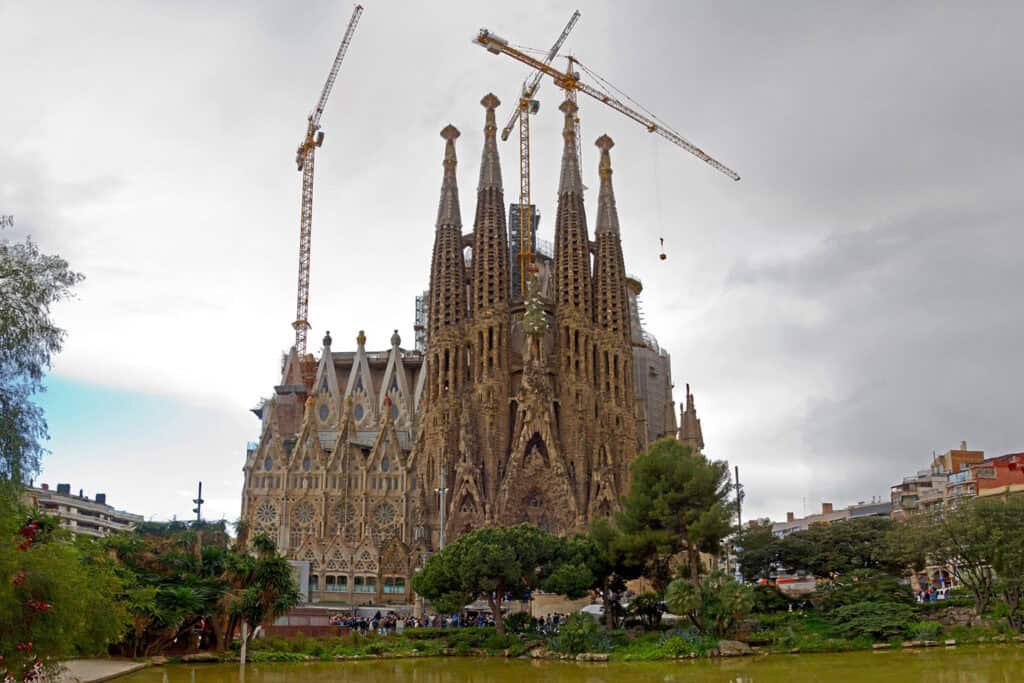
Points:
(390, 623)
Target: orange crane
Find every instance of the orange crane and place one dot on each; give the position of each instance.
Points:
(571, 83)
(304, 159)
(527, 106)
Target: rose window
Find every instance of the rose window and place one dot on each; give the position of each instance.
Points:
(384, 515)
(266, 514)
(304, 514)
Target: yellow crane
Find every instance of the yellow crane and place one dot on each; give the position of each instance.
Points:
(304, 159)
(527, 106)
(570, 82)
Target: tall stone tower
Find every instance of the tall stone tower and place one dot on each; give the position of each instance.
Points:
(446, 351)
(616, 427)
(574, 301)
(484, 428)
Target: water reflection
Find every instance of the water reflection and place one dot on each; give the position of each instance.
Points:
(993, 664)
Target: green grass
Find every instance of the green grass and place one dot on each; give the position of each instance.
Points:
(652, 646)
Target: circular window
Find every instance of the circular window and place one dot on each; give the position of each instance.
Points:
(304, 513)
(324, 412)
(307, 464)
(268, 464)
(266, 514)
(384, 514)
(358, 411)
(385, 464)
(394, 411)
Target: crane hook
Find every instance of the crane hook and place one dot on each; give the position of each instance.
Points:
(662, 255)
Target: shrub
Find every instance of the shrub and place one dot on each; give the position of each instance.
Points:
(878, 621)
(716, 607)
(577, 634)
(768, 599)
(519, 622)
(275, 656)
(864, 585)
(647, 607)
(926, 630)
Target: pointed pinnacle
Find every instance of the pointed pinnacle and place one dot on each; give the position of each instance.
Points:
(605, 143)
(569, 108)
(490, 101)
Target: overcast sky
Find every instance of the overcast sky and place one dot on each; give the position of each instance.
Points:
(850, 306)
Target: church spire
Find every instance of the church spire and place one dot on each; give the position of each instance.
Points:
(489, 280)
(447, 310)
(569, 180)
(448, 213)
(607, 216)
(689, 425)
(573, 288)
(611, 305)
(447, 269)
(490, 168)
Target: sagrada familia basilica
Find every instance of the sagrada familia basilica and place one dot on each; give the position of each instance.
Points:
(516, 407)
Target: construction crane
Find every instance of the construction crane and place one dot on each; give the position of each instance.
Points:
(304, 159)
(571, 83)
(527, 106)
(533, 82)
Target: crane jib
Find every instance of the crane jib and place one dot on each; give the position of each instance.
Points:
(569, 82)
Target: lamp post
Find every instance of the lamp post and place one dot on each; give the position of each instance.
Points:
(442, 491)
(198, 500)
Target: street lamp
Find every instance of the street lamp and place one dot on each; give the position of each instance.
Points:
(442, 491)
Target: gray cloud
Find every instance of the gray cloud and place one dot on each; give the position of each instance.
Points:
(850, 306)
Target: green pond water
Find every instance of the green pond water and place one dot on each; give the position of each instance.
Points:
(989, 664)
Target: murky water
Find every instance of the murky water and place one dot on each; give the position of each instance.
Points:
(991, 664)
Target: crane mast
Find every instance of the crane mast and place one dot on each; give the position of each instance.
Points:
(570, 82)
(305, 158)
(528, 106)
(531, 84)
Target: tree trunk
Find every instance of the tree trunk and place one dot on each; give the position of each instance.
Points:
(245, 641)
(499, 622)
(694, 554)
(218, 628)
(606, 599)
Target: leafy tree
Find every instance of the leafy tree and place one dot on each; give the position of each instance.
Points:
(30, 282)
(828, 550)
(487, 563)
(179, 575)
(577, 634)
(57, 595)
(877, 621)
(963, 539)
(601, 560)
(756, 550)
(864, 585)
(768, 599)
(647, 608)
(262, 588)
(677, 500)
(1006, 521)
(716, 606)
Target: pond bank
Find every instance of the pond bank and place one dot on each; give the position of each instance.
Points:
(97, 670)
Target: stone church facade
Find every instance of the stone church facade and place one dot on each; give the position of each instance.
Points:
(521, 408)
